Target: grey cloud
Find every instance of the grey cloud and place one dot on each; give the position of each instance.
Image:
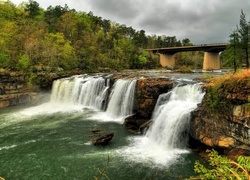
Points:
(200, 21)
(121, 11)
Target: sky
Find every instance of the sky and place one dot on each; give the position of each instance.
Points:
(202, 21)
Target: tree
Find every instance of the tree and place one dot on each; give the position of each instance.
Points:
(33, 8)
(244, 35)
(67, 25)
(53, 14)
(140, 39)
(7, 10)
(186, 42)
(57, 52)
(233, 50)
(24, 63)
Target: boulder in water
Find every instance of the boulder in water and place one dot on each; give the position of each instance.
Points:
(103, 139)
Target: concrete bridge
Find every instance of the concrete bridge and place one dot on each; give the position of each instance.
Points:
(211, 56)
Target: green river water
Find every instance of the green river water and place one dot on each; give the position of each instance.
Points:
(53, 143)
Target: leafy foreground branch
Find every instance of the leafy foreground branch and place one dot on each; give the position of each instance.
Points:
(102, 172)
(223, 168)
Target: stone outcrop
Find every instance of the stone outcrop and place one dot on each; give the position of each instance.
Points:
(147, 92)
(14, 90)
(226, 123)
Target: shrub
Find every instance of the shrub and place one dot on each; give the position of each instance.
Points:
(223, 168)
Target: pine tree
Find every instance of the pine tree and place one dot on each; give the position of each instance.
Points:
(233, 49)
(244, 33)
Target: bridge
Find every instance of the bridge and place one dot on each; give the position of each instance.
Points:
(211, 56)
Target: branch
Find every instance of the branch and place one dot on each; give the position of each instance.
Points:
(102, 173)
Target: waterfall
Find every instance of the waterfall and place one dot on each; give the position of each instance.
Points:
(80, 90)
(172, 115)
(122, 98)
(166, 139)
(93, 92)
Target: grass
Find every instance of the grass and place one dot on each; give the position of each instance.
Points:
(219, 87)
(230, 77)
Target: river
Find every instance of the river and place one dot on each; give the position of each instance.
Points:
(53, 140)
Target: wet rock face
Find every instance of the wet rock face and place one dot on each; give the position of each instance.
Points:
(228, 125)
(15, 91)
(148, 90)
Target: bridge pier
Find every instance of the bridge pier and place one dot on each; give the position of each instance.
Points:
(167, 60)
(211, 57)
(211, 61)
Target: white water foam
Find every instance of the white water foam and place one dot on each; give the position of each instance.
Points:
(8, 147)
(166, 139)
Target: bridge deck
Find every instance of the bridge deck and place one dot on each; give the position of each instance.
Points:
(203, 47)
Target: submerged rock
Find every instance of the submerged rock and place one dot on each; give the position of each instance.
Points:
(101, 136)
(103, 139)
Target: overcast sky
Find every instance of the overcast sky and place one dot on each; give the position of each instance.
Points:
(202, 21)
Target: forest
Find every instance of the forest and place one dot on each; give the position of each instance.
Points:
(61, 39)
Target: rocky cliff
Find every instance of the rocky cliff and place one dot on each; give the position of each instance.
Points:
(147, 92)
(14, 90)
(223, 119)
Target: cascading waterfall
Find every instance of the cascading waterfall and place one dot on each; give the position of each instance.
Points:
(171, 118)
(87, 91)
(122, 98)
(166, 139)
(92, 92)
